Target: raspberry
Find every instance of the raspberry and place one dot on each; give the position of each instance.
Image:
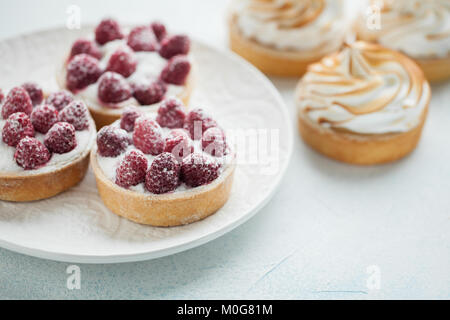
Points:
(214, 142)
(149, 92)
(163, 175)
(35, 92)
(61, 138)
(176, 70)
(197, 122)
(59, 99)
(82, 71)
(128, 118)
(132, 169)
(108, 30)
(171, 46)
(87, 47)
(147, 136)
(171, 114)
(31, 153)
(198, 169)
(17, 126)
(2, 96)
(44, 117)
(123, 61)
(77, 114)
(142, 38)
(112, 141)
(159, 30)
(113, 88)
(17, 100)
(179, 144)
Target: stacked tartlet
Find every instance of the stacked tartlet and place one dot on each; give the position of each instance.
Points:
(364, 105)
(45, 143)
(417, 28)
(283, 37)
(117, 69)
(163, 169)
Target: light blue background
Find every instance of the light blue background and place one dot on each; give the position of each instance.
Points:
(311, 241)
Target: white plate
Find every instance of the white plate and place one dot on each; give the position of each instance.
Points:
(76, 227)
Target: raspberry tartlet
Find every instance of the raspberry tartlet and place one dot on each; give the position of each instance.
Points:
(365, 105)
(45, 143)
(119, 67)
(163, 169)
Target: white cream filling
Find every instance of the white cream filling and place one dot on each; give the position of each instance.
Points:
(109, 165)
(85, 141)
(324, 34)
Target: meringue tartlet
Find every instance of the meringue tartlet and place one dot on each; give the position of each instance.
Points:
(364, 105)
(419, 29)
(282, 37)
(119, 67)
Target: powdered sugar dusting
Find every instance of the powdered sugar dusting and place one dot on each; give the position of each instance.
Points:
(76, 226)
(17, 126)
(109, 165)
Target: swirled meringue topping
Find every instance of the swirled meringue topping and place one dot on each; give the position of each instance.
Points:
(365, 89)
(419, 28)
(149, 66)
(299, 25)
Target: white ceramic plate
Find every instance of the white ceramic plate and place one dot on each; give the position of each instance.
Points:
(76, 227)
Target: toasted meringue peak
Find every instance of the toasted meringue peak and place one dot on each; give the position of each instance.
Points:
(300, 25)
(365, 89)
(418, 28)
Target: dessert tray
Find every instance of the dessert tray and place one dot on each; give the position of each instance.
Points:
(75, 226)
